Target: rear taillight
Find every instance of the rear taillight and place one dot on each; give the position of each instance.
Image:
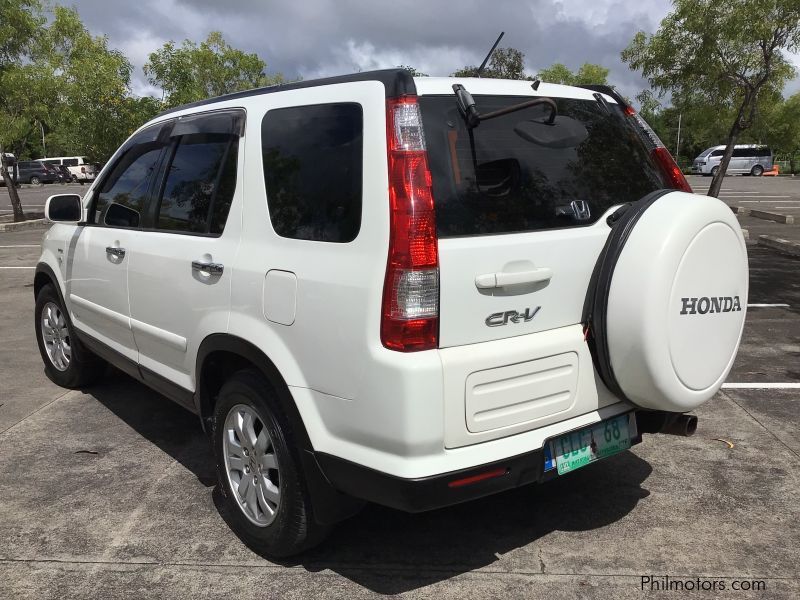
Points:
(410, 310)
(661, 156)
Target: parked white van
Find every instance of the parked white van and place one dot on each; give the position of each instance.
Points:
(747, 159)
(81, 170)
(383, 288)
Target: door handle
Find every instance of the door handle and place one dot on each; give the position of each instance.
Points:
(113, 251)
(207, 267)
(497, 280)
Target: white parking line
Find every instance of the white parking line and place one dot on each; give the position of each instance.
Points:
(22, 246)
(17, 267)
(761, 386)
(767, 305)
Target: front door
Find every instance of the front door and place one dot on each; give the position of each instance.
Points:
(99, 255)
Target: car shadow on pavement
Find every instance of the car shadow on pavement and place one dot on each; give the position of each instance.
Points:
(173, 429)
(388, 551)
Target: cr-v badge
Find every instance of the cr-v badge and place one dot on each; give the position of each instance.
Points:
(503, 318)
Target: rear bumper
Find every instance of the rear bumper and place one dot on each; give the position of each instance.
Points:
(436, 491)
(428, 493)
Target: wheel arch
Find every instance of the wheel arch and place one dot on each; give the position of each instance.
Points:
(222, 354)
(45, 275)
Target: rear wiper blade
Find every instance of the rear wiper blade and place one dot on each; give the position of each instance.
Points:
(473, 118)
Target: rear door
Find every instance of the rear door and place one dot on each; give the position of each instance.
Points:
(180, 273)
(520, 207)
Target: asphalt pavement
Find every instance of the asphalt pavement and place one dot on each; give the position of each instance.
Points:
(110, 492)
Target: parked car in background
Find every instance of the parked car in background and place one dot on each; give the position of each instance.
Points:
(78, 166)
(65, 175)
(36, 172)
(747, 159)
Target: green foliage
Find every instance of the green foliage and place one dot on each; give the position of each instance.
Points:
(189, 72)
(724, 57)
(412, 71)
(509, 63)
(20, 21)
(588, 73)
(71, 85)
(505, 63)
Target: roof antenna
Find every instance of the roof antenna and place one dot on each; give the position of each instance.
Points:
(485, 60)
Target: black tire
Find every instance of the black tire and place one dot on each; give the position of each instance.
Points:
(74, 179)
(714, 171)
(757, 171)
(84, 367)
(35, 180)
(293, 528)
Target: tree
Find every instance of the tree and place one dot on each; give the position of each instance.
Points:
(783, 130)
(588, 73)
(20, 21)
(412, 71)
(724, 55)
(191, 72)
(505, 63)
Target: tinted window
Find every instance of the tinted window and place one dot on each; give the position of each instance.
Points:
(717, 153)
(742, 152)
(515, 173)
(126, 187)
(70, 162)
(201, 179)
(764, 151)
(52, 162)
(312, 169)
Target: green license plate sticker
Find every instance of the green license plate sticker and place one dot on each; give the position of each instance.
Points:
(579, 448)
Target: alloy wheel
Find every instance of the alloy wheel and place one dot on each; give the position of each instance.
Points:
(55, 335)
(251, 465)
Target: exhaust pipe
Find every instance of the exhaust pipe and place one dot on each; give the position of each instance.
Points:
(666, 422)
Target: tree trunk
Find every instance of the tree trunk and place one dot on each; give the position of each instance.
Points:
(716, 183)
(16, 205)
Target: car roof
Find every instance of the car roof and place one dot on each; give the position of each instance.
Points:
(399, 82)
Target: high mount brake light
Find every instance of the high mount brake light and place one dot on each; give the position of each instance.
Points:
(410, 308)
(659, 153)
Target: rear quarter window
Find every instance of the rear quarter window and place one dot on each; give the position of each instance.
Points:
(494, 179)
(313, 158)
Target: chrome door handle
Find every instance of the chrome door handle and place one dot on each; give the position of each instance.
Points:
(206, 267)
(496, 280)
(118, 252)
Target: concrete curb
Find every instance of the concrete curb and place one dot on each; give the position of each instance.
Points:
(25, 225)
(780, 245)
(771, 216)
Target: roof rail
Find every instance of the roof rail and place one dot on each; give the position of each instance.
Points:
(397, 82)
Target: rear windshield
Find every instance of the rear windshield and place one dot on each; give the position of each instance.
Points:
(513, 173)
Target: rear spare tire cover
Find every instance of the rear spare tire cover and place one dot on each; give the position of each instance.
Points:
(668, 301)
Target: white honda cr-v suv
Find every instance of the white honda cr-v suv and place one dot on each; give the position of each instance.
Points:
(410, 291)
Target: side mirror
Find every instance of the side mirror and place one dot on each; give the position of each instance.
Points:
(64, 208)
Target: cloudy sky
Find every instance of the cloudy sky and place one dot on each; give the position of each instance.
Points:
(313, 38)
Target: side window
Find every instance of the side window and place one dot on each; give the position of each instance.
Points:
(70, 162)
(123, 194)
(717, 153)
(742, 152)
(200, 181)
(312, 159)
(764, 151)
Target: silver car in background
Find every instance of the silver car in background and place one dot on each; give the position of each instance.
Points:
(747, 159)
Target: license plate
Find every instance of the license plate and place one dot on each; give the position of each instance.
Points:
(579, 448)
